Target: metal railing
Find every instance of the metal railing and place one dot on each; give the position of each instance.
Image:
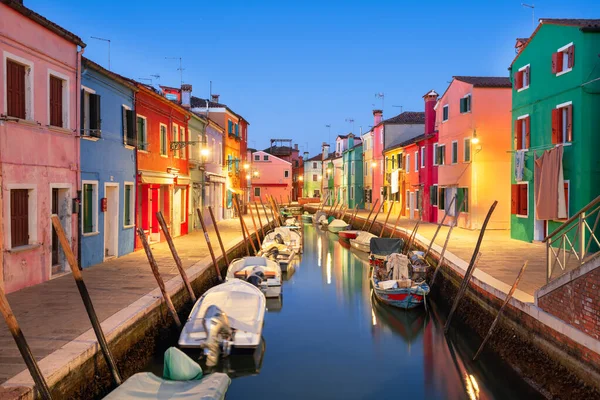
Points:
(573, 238)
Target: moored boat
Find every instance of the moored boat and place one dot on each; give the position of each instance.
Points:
(283, 235)
(282, 254)
(362, 242)
(260, 271)
(337, 225)
(307, 218)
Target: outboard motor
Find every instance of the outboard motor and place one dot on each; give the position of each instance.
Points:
(272, 253)
(255, 279)
(278, 239)
(218, 333)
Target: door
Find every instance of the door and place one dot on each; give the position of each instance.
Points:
(61, 206)
(176, 212)
(153, 209)
(412, 205)
(55, 257)
(111, 222)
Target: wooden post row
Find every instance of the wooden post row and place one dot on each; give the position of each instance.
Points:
(214, 221)
(209, 245)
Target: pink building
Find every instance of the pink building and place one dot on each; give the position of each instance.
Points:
(39, 129)
(377, 160)
(270, 176)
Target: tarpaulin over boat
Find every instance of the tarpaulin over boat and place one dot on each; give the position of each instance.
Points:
(385, 246)
(179, 367)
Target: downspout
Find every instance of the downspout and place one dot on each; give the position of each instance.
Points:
(136, 174)
(78, 149)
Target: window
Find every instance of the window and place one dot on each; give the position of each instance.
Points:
(407, 199)
(182, 152)
(129, 134)
(90, 113)
(417, 199)
(56, 101)
(237, 130)
(521, 79)
(163, 140)
(462, 195)
(445, 111)
(19, 217)
(183, 205)
(90, 207)
(286, 174)
(519, 201)
(141, 133)
(467, 155)
(433, 195)
(423, 157)
(567, 187)
(454, 152)
(314, 165)
(563, 60)
(435, 152)
(315, 178)
(407, 163)
(175, 139)
(229, 162)
(522, 133)
(352, 168)
(465, 104)
(351, 192)
(440, 156)
(19, 88)
(441, 198)
(562, 123)
(257, 157)
(416, 161)
(230, 127)
(256, 192)
(129, 202)
(265, 158)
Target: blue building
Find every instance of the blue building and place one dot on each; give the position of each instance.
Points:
(108, 167)
(353, 186)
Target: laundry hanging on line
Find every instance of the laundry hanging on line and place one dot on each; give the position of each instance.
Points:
(550, 203)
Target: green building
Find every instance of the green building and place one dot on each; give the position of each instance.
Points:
(353, 174)
(555, 105)
(313, 175)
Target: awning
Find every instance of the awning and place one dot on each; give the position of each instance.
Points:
(234, 190)
(157, 178)
(182, 180)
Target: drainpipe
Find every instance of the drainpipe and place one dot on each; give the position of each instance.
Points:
(136, 175)
(78, 148)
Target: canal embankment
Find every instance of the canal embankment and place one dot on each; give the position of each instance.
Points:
(552, 355)
(129, 304)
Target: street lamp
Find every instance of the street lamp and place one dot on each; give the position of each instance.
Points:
(475, 139)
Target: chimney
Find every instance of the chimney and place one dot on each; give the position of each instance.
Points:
(350, 141)
(378, 116)
(186, 95)
(430, 100)
(521, 42)
(214, 98)
(325, 153)
(296, 146)
(306, 155)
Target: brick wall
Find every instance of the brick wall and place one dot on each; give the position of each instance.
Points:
(577, 303)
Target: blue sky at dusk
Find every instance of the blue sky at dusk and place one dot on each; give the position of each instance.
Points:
(292, 67)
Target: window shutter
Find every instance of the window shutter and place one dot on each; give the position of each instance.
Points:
(518, 134)
(556, 136)
(523, 199)
(518, 79)
(528, 72)
(19, 217)
(131, 131)
(125, 127)
(82, 113)
(56, 101)
(15, 90)
(569, 123)
(88, 198)
(571, 52)
(127, 205)
(95, 121)
(514, 199)
(555, 60)
(527, 132)
(462, 105)
(566, 188)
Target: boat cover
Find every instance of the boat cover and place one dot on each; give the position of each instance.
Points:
(255, 262)
(147, 386)
(338, 223)
(179, 367)
(385, 246)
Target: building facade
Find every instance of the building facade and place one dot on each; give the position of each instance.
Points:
(199, 152)
(369, 167)
(39, 129)
(474, 174)
(428, 171)
(555, 105)
(108, 166)
(353, 171)
(270, 176)
(313, 175)
(215, 179)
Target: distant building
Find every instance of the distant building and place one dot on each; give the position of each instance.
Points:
(270, 176)
(353, 173)
(313, 175)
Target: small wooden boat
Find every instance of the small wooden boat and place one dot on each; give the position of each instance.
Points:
(182, 379)
(319, 215)
(283, 235)
(389, 292)
(229, 315)
(362, 241)
(307, 218)
(265, 273)
(292, 223)
(282, 254)
(337, 225)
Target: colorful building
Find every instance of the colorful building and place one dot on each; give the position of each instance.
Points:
(199, 152)
(39, 129)
(313, 175)
(163, 180)
(376, 162)
(108, 165)
(353, 173)
(369, 167)
(472, 152)
(270, 176)
(215, 180)
(555, 106)
(428, 171)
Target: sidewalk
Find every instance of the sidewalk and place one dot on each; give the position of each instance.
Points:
(52, 314)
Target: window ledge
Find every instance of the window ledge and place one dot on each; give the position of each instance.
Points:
(59, 129)
(128, 226)
(142, 151)
(522, 216)
(164, 156)
(566, 144)
(91, 138)
(564, 72)
(128, 146)
(523, 88)
(465, 112)
(90, 234)
(17, 120)
(27, 247)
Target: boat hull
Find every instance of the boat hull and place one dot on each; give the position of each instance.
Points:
(337, 229)
(365, 248)
(307, 218)
(405, 298)
(348, 234)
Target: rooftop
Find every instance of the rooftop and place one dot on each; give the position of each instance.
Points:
(486, 81)
(407, 117)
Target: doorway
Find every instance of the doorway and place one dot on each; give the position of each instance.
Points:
(177, 192)
(111, 220)
(154, 229)
(412, 205)
(61, 201)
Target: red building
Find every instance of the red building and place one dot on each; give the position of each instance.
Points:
(163, 179)
(428, 171)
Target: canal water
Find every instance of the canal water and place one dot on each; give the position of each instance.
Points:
(328, 338)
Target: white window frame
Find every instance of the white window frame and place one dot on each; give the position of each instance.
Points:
(286, 173)
(182, 150)
(467, 111)
(408, 199)
(417, 200)
(416, 160)
(257, 157)
(435, 146)
(521, 215)
(437, 195)
(131, 203)
(175, 130)
(265, 157)
(126, 107)
(145, 135)
(66, 109)
(446, 106)
(166, 149)
(564, 122)
(422, 156)
(522, 118)
(32, 205)
(29, 84)
(95, 230)
(444, 153)
(407, 163)
(452, 162)
(352, 169)
(255, 189)
(85, 102)
(524, 68)
(468, 138)
(562, 50)
(351, 192)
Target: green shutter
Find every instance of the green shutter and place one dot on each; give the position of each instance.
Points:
(127, 205)
(88, 198)
(462, 105)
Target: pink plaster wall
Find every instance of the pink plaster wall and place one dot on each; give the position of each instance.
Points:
(271, 177)
(31, 153)
(378, 157)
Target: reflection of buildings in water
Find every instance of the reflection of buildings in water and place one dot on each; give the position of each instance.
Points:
(275, 304)
(409, 324)
(328, 268)
(319, 250)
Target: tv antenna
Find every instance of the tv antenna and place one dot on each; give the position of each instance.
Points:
(400, 107)
(381, 96)
(351, 121)
(180, 69)
(532, 6)
(328, 126)
(104, 40)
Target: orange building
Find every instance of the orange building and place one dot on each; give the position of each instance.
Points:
(473, 118)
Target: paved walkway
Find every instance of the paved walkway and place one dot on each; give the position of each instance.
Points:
(52, 314)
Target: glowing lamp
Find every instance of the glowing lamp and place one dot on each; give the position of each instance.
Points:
(204, 152)
(373, 164)
(301, 178)
(328, 170)
(475, 139)
(247, 176)
(246, 166)
(255, 173)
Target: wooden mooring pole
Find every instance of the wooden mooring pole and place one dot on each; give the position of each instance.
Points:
(375, 217)
(165, 229)
(469, 272)
(246, 226)
(370, 212)
(442, 255)
(17, 334)
(209, 245)
(439, 226)
(156, 273)
(254, 224)
(353, 216)
(396, 223)
(262, 230)
(413, 234)
(508, 297)
(235, 203)
(266, 214)
(214, 222)
(386, 218)
(85, 296)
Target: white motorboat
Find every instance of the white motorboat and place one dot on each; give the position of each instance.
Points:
(260, 271)
(362, 241)
(337, 225)
(229, 315)
(283, 235)
(283, 254)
